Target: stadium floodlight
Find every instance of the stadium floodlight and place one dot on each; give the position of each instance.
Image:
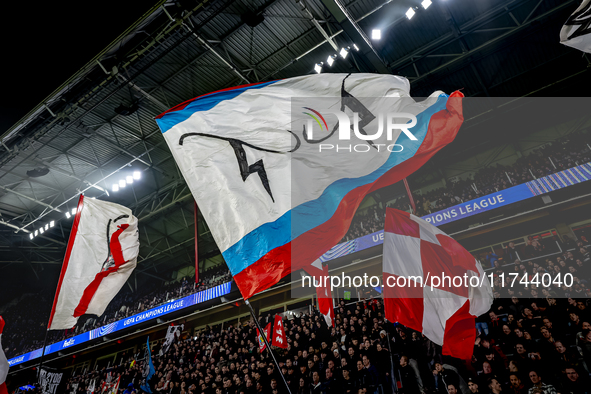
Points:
(52, 223)
(31, 236)
(47, 227)
(137, 175)
(426, 3)
(41, 231)
(344, 52)
(115, 187)
(410, 13)
(376, 34)
(129, 179)
(73, 211)
(36, 233)
(122, 183)
(318, 67)
(355, 47)
(330, 60)
(68, 215)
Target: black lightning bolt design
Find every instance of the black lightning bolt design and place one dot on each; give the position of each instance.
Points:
(581, 18)
(243, 166)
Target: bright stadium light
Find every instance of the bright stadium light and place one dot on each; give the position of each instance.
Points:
(122, 183)
(73, 211)
(68, 215)
(41, 231)
(410, 13)
(344, 52)
(376, 34)
(129, 179)
(31, 235)
(115, 187)
(47, 227)
(52, 223)
(426, 3)
(330, 60)
(318, 67)
(355, 47)
(36, 233)
(137, 175)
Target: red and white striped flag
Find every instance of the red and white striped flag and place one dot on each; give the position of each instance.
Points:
(101, 255)
(3, 362)
(418, 260)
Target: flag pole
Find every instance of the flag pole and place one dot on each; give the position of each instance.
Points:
(70, 241)
(267, 344)
(42, 354)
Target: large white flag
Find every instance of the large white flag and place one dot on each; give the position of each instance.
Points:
(3, 362)
(102, 253)
(575, 32)
(277, 184)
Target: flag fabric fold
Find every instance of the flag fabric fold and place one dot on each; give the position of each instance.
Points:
(172, 333)
(101, 255)
(236, 151)
(4, 366)
(149, 370)
(576, 30)
(432, 284)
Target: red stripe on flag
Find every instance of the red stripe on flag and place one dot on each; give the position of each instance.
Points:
(460, 334)
(184, 104)
(277, 263)
(3, 389)
(91, 289)
(399, 222)
(67, 257)
(403, 304)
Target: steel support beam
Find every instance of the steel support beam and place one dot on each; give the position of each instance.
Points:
(373, 61)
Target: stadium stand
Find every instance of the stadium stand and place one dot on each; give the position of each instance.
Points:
(26, 321)
(559, 155)
(533, 340)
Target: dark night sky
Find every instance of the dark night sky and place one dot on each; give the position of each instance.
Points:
(44, 43)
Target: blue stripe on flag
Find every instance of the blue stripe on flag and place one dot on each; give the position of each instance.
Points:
(201, 104)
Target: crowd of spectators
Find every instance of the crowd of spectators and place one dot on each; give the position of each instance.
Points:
(26, 321)
(535, 339)
(560, 155)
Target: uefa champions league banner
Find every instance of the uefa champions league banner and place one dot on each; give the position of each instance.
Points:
(53, 381)
(499, 199)
(169, 307)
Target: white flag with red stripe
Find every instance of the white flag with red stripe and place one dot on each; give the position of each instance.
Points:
(3, 362)
(101, 254)
(321, 279)
(418, 260)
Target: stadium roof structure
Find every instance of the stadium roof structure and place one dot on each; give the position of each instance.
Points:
(97, 128)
